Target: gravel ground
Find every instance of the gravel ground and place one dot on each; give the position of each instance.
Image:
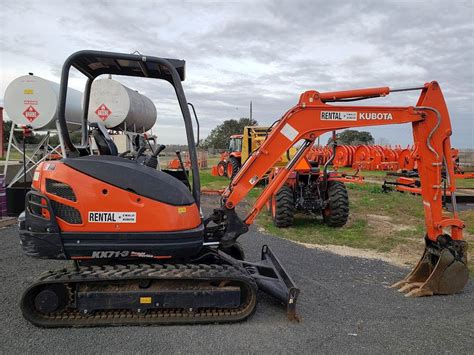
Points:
(345, 307)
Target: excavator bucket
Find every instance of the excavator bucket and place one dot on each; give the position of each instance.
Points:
(442, 270)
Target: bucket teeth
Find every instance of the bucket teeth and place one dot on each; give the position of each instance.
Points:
(419, 292)
(442, 270)
(409, 287)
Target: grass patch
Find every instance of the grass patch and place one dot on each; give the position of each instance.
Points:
(208, 181)
(465, 183)
(468, 218)
(378, 221)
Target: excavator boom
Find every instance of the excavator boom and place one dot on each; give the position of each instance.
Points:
(313, 116)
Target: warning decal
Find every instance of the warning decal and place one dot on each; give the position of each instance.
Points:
(289, 132)
(112, 217)
(30, 113)
(338, 116)
(103, 112)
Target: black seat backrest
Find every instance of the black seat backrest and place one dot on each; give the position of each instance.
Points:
(105, 144)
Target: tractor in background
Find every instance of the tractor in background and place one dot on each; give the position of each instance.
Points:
(240, 148)
(308, 189)
(230, 159)
(312, 190)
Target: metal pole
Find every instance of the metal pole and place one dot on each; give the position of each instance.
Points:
(5, 168)
(24, 163)
(407, 89)
(2, 147)
(61, 140)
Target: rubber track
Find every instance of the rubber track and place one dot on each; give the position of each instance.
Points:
(338, 203)
(285, 208)
(108, 273)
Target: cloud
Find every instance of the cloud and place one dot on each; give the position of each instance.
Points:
(267, 51)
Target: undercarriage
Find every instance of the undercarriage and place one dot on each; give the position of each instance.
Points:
(212, 288)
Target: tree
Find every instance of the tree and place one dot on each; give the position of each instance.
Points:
(219, 136)
(353, 137)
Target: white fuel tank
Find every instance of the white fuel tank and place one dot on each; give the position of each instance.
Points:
(33, 101)
(120, 107)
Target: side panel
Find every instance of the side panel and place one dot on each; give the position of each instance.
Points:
(106, 208)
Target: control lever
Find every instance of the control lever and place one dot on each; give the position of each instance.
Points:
(152, 162)
(140, 152)
(178, 154)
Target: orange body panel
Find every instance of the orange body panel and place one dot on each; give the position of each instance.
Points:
(93, 195)
(174, 164)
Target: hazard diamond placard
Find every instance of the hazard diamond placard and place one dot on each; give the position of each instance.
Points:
(30, 113)
(103, 112)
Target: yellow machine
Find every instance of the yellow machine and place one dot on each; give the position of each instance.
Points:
(239, 152)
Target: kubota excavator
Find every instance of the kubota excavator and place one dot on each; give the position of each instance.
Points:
(142, 251)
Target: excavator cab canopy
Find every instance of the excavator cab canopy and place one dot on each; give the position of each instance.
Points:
(95, 63)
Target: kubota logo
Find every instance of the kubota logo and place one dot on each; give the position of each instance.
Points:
(375, 116)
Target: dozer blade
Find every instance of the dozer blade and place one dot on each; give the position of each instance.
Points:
(272, 278)
(442, 270)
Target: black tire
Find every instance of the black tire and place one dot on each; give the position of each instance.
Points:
(283, 207)
(223, 165)
(235, 166)
(336, 212)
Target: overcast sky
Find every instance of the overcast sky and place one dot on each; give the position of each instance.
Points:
(265, 51)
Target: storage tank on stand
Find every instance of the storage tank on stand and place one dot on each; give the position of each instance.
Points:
(119, 107)
(33, 101)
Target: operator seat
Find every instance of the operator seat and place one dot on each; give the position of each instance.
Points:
(105, 144)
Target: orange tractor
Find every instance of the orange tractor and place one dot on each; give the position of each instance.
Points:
(142, 251)
(313, 190)
(231, 159)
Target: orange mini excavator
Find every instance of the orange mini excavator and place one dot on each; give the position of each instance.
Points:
(142, 251)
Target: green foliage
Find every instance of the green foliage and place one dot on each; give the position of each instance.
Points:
(76, 138)
(212, 182)
(353, 137)
(219, 136)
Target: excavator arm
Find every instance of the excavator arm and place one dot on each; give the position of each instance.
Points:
(313, 116)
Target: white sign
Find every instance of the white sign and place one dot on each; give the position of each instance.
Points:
(338, 116)
(289, 132)
(112, 217)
